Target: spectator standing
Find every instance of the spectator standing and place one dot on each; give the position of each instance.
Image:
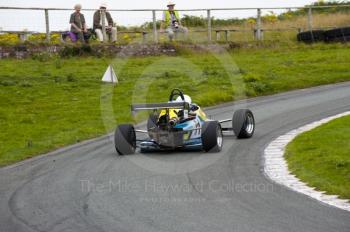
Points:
(78, 24)
(110, 29)
(171, 20)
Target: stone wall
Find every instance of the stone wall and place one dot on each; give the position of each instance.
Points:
(26, 51)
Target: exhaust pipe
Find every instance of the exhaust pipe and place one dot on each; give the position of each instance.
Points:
(173, 122)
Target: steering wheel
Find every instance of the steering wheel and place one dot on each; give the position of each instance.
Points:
(176, 93)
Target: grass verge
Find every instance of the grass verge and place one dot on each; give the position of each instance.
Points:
(321, 157)
(52, 102)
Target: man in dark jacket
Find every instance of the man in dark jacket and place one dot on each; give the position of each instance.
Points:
(110, 29)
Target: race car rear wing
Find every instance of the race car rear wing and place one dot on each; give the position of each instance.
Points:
(160, 106)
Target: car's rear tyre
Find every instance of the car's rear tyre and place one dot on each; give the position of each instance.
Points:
(125, 139)
(212, 138)
(243, 124)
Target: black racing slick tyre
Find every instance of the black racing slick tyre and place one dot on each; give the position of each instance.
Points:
(311, 36)
(212, 138)
(338, 35)
(125, 139)
(243, 124)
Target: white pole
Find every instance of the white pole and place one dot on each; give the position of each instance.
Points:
(258, 25)
(155, 33)
(309, 19)
(47, 24)
(209, 25)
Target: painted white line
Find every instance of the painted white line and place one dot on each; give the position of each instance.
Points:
(276, 168)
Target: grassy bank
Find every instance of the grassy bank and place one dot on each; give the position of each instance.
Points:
(321, 157)
(49, 103)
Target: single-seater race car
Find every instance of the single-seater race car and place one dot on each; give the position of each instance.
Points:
(180, 124)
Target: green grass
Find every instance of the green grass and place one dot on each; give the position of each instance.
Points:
(321, 157)
(51, 102)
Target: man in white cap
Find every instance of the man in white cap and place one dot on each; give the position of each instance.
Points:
(110, 29)
(172, 23)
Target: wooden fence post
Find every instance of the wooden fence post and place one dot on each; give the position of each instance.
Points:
(218, 36)
(144, 37)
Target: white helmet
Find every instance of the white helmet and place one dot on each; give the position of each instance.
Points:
(187, 99)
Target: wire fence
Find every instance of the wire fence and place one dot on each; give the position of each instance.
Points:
(52, 20)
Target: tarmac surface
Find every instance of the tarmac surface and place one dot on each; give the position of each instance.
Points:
(88, 187)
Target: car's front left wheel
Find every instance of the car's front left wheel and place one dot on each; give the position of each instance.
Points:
(243, 124)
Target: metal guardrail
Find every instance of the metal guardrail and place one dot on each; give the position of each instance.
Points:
(197, 9)
(258, 28)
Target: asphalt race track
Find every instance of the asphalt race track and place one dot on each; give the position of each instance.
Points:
(87, 187)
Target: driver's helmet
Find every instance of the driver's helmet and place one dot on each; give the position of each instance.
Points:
(187, 99)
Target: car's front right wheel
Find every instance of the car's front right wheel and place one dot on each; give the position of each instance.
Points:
(212, 137)
(125, 139)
